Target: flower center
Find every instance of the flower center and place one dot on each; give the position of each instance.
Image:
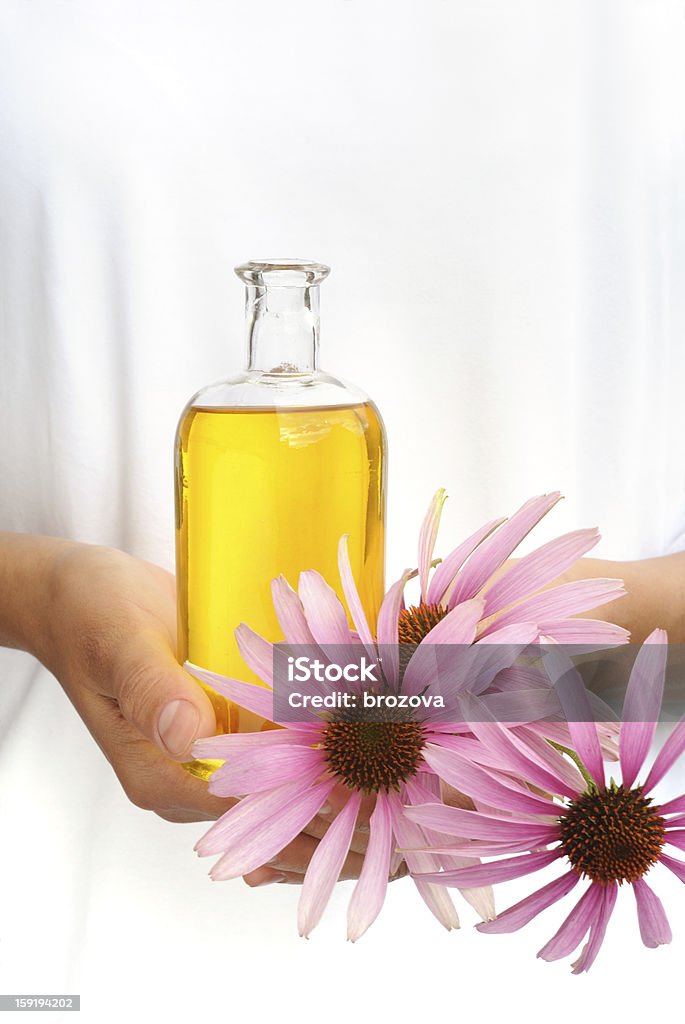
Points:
(612, 835)
(369, 756)
(416, 622)
(413, 625)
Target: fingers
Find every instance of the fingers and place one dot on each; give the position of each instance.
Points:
(337, 799)
(293, 860)
(150, 780)
(159, 698)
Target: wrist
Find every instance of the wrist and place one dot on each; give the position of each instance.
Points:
(27, 573)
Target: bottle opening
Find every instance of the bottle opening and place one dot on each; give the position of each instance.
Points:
(282, 273)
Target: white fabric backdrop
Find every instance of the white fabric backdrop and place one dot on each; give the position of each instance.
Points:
(499, 189)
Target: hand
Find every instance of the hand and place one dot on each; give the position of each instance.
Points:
(108, 635)
(104, 624)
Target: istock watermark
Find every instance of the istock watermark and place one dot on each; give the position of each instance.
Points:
(507, 683)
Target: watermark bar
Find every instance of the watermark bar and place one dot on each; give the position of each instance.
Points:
(454, 683)
(40, 1002)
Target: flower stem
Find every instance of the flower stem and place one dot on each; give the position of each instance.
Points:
(591, 784)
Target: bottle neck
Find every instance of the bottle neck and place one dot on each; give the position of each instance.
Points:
(282, 328)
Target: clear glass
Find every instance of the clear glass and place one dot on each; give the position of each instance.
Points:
(273, 465)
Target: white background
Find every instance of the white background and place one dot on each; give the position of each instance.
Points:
(499, 190)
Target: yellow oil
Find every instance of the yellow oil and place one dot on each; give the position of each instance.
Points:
(260, 493)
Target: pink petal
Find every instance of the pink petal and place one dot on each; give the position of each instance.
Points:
(586, 634)
(475, 782)
(495, 872)
(597, 929)
(675, 806)
(676, 837)
(456, 821)
(427, 537)
(352, 596)
(497, 652)
(290, 613)
(494, 551)
(409, 835)
(538, 568)
(667, 756)
(524, 911)
(248, 695)
(251, 813)
(253, 772)
(475, 848)
(654, 927)
(676, 866)
(369, 893)
(256, 652)
(516, 756)
(575, 927)
(547, 756)
(670, 753)
(642, 705)
(387, 629)
(424, 789)
(325, 614)
(456, 629)
(444, 575)
(325, 866)
(267, 839)
(575, 704)
(236, 744)
(562, 601)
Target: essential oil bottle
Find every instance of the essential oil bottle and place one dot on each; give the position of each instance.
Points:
(272, 467)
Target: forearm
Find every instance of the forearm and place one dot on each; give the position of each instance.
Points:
(26, 567)
(655, 594)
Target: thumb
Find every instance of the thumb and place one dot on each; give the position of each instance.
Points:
(166, 704)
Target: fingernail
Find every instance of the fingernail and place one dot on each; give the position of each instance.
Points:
(326, 810)
(177, 726)
(275, 876)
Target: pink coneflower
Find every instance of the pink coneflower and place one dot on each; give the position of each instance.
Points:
(606, 833)
(285, 776)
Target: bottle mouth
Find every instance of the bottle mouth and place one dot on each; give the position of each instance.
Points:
(283, 273)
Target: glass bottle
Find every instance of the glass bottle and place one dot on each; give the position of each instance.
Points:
(273, 465)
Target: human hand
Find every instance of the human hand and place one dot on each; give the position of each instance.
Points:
(104, 623)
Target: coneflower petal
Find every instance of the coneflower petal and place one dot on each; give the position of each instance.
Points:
(642, 705)
(497, 871)
(458, 630)
(525, 910)
(456, 821)
(597, 929)
(654, 927)
(369, 892)
(325, 866)
(575, 927)
(667, 756)
(560, 602)
(427, 537)
(258, 699)
(255, 770)
(445, 573)
(290, 613)
(539, 567)
(270, 836)
(461, 773)
(251, 813)
(409, 835)
(326, 616)
(575, 704)
(257, 652)
(493, 552)
(676, 866)
(352, 596)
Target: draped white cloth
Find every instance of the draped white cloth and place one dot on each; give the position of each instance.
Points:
(499, 189)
